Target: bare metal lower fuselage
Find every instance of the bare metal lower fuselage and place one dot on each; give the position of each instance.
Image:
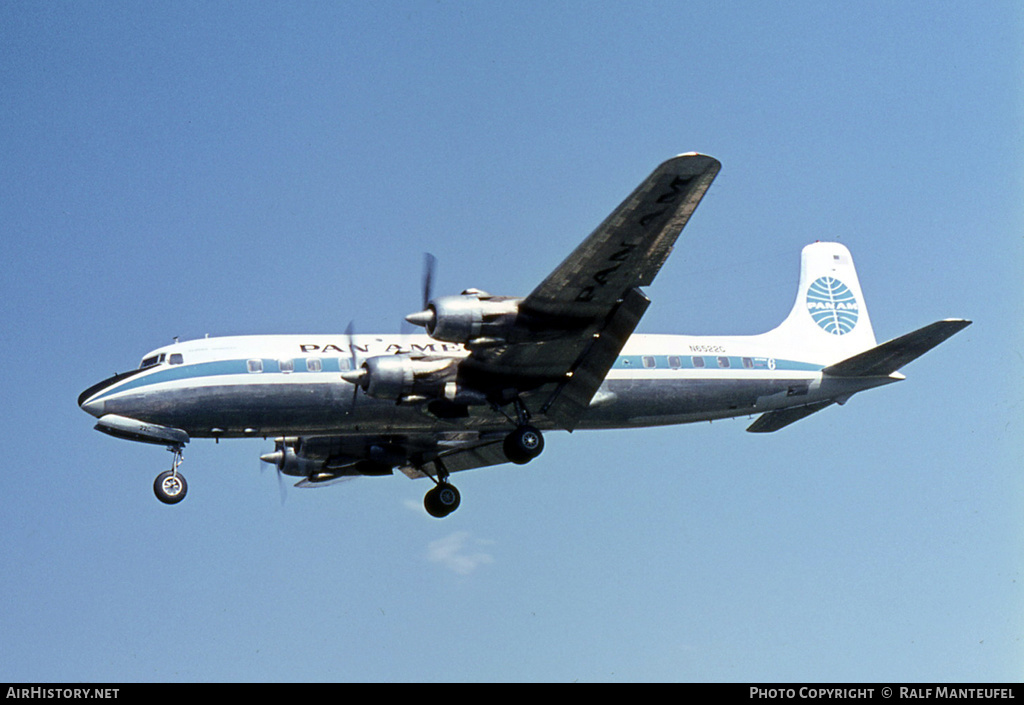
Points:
(304, 403)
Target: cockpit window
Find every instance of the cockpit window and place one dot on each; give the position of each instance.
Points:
(152, 360)
(176, 359)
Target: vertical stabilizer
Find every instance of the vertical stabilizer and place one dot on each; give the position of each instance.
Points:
(829, 321)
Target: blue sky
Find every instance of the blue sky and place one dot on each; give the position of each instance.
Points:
(185, 169)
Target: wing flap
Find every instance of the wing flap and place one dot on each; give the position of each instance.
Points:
(572, 397)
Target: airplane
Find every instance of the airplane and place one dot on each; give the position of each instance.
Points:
(492, 374)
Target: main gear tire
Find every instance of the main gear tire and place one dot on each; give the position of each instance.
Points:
(442, 500)
(523, 445)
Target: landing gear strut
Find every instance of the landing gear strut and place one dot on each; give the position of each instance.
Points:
(170, 486)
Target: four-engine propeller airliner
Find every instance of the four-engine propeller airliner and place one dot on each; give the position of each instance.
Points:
(494, 373)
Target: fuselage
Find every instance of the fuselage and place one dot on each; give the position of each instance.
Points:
(261, 386)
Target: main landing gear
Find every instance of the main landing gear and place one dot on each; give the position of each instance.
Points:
(170, 486)
(443, 498)
(521, 446)
(526, 442)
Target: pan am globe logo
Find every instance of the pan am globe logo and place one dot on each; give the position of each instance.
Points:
(832, 305)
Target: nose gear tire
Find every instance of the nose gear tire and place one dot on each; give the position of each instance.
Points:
(170, 487)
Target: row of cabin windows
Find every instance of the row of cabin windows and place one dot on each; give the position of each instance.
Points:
(313, 364)
(675, 362)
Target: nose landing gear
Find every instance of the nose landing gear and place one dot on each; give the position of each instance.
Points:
(170, 486)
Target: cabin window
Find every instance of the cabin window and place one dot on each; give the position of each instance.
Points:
(314, 365)
(675, 362)
(723, 362)
(254, 365)
(748, 363)
(176, 359)
(286, 365)
(649, 361)
(344, 364)
(697, 361)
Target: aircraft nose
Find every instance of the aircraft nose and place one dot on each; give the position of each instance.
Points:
(87, 400)
(89, 405)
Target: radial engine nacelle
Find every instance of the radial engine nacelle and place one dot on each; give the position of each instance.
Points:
(287, 461)
(474, 318)
(320, 464)
(403, 378)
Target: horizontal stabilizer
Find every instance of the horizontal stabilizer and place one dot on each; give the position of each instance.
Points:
(774, 420)
(886, 358)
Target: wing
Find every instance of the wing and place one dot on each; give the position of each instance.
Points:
(464, 455)
(326, 460)
(567, 334)
(629, 247)
(574, 324)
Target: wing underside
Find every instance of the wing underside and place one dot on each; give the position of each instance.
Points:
(575, 322)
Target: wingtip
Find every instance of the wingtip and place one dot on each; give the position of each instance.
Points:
(710, 163)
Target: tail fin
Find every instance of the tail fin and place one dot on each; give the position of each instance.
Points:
(829, 321)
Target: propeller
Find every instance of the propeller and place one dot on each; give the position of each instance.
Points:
(355, 373)
(429, 266)
(425, 316)
(277, 460)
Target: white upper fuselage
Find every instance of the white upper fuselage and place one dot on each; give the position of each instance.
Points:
(291, 385)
